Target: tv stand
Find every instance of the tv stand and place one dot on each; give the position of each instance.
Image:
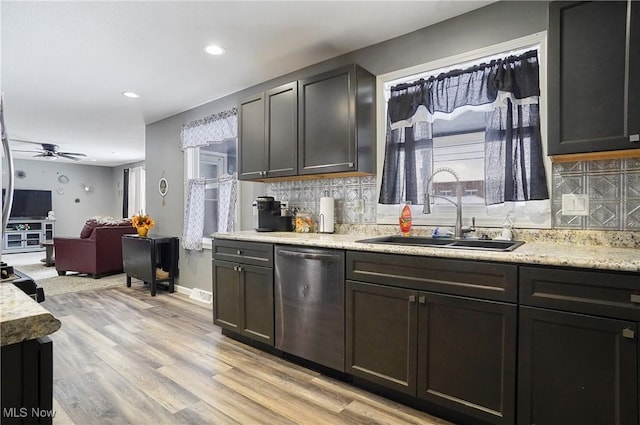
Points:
(26, 235)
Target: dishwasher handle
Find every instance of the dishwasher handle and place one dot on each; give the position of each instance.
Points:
(309, 255)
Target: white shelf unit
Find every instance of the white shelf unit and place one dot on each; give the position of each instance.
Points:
(25, 235)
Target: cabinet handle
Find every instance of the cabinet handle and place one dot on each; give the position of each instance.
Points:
(634, 138)
(412, 298)
(238, 252)
(350, 164)
(628, 333)
(422, 299)
(635, 298)
(239, 268)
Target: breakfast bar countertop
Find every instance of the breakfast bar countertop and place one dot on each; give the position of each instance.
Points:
(538, 253)
(21, 317)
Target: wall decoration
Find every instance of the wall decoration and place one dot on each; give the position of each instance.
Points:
(60, 191)
(163, 187)
(21, 174)
(63, 179)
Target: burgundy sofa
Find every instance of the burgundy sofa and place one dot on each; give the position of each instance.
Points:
(97, 252)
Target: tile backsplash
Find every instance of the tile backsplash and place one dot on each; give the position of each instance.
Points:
(355, 197)
(613, 187)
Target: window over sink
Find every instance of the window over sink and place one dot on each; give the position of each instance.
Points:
(457, 139)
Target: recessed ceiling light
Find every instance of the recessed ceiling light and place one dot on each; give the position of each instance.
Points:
(212, 49)
(130, 94)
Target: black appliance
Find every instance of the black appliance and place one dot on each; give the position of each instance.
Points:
(309, 302)
(267, 216)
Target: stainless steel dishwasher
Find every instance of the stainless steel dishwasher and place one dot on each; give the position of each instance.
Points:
(309, 303)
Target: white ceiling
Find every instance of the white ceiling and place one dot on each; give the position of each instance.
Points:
(65, 64)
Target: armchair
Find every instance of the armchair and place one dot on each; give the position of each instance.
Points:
(97, 252)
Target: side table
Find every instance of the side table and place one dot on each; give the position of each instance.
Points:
(48, 260)
(141, 256)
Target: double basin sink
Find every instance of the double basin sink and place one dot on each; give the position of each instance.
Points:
(477, 244)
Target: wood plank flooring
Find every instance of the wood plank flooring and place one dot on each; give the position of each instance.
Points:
(124, 357)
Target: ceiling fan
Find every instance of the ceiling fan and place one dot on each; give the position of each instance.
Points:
(49, 151)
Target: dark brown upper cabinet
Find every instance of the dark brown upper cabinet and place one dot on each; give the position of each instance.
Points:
(594, 76)
(337, 122)
(268, 129)
(323, 124)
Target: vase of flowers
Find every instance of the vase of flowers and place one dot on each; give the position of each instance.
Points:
(142, 223)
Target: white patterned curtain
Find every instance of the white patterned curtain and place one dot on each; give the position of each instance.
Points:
(228, 190)
(194, 215)
(212, 129)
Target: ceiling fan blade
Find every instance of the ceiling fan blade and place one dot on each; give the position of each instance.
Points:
(22, 150)
(68, 156)
(71, 153)
(25, 141)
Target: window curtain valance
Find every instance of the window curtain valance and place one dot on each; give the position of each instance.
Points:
(215, 128)
(508, 91)
(514, 77)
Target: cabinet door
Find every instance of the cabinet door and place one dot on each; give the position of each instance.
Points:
(226, 295)
(466, 356)
(251, 140)
(592, 105)
(381, 335)
(576, 369)
(327, 122)
(282, 130)
(256, 299)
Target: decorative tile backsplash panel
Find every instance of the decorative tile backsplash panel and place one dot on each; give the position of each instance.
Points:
(355, 197)
(613, 187)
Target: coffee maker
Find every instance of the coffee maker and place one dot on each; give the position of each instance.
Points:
(267, 216)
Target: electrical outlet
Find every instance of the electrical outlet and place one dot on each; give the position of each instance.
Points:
(575, 204)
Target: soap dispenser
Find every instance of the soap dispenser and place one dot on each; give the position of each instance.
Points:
(507, 230)
(405, 218)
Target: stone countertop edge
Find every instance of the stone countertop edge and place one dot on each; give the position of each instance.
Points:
(531, 253)
(21, 317)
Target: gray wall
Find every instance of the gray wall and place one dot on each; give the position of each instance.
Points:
(496, 23)
(70, 215)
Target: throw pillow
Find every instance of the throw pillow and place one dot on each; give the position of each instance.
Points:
(87, 230)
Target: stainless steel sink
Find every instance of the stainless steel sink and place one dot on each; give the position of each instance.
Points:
(477, 244)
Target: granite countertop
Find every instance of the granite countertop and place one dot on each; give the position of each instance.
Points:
(21, 317)
(541, 253)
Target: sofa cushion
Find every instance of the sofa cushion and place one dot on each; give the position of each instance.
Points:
(92, 223)
(87, 230)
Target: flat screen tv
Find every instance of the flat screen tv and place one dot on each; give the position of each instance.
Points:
(30, 204)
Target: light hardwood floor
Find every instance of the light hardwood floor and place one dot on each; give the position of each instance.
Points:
(124, 357)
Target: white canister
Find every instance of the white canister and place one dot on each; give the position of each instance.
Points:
(326, 216)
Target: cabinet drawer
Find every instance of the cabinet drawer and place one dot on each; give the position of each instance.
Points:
(491, 281)
(259, 254)
(600, 293)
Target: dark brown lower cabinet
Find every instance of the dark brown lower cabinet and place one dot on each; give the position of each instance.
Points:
(452, 351)
(467, 355)
(243, 299)
(382, 330)
(576, 369)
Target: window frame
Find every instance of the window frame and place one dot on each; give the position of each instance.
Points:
(445, 215)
